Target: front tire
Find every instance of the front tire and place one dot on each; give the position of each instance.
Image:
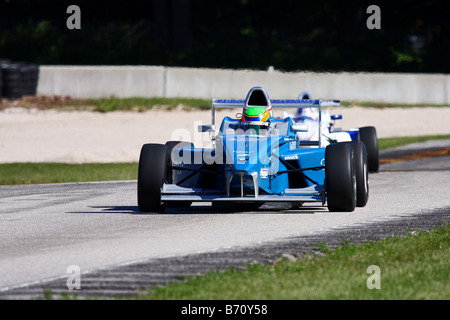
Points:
(151, 176)
(340, 177)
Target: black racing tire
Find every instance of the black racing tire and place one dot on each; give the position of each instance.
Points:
(368, 135)
(362, 172)
(151, 176)
(169, 172)
(340, 177)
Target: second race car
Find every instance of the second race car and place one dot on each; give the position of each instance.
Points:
(330, 133)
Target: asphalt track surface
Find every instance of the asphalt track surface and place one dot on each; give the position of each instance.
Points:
(97, 227)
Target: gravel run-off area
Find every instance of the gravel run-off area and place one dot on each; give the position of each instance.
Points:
(52, 135)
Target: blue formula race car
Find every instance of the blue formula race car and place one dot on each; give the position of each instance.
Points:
(255, 158)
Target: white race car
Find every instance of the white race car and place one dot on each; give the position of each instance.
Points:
(309, 117)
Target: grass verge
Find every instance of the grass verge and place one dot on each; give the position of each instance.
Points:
(29, 173)
(411, 267)
(143, 104)
(383, 105)
(386, 143)
(105, 104)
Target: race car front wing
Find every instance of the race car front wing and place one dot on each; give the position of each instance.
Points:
(172, 192)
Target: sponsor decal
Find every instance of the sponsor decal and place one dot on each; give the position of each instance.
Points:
(264, 173)
(239, 101)
(291, 157)
(287, 101)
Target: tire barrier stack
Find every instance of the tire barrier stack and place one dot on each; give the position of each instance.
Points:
(18, 79)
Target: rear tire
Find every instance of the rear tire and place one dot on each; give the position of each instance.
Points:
(362, 172)
(340, 177)
(151, 176)
(368, 135)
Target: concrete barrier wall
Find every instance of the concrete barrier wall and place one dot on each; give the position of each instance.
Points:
(158, 81)
(101, 81)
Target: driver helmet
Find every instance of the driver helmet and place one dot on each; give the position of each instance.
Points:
(304, 96)
(256, 118)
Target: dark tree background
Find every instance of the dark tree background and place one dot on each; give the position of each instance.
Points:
(291, 35)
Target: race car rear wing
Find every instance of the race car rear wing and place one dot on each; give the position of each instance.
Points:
(276, 103)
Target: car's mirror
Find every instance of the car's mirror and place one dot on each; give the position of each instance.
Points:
(206, 128)
(336, 117)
